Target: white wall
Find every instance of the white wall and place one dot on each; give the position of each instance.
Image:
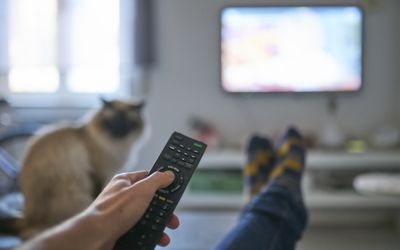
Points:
(185, 81)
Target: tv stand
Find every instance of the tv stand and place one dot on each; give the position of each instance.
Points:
(322, 166)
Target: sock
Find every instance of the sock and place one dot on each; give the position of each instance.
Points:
(260, 162)
(290, 154)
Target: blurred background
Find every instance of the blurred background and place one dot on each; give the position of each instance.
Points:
(57, 57)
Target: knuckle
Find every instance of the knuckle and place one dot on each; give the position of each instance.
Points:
(119, 176)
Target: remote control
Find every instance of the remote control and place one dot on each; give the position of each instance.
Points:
(181, 155)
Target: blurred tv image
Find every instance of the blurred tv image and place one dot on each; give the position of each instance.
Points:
(291, 49)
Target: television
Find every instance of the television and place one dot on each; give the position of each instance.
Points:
(290, 49)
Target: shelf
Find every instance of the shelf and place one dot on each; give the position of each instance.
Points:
(315, 160)
(314, 198)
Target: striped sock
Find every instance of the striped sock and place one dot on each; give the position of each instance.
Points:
(290, 154)
(260, 162)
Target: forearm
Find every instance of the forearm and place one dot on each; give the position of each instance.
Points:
(119, 206)
(71, 234)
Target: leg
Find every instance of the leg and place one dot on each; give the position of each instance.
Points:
(276, 218)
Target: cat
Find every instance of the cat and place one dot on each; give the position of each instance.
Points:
(65, 167)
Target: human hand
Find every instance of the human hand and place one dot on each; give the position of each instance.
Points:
(118, 207)
(123, 202)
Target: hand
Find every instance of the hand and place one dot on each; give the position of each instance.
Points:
(118, 207)
(123, 202)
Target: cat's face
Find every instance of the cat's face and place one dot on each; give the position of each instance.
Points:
(121, 119)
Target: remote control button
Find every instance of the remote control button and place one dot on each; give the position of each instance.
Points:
(188, 165)
(171, 147)
(167, 156)
(176, 188)
(175, 169)
(155, 203)
(183, 159)
(163, 198)
(165, 207)
(181, 163)
(195, 151)
(157, 212)
(170, 201)
(160, 168)
(161, 213)
(175, 142)
(177, 155)
(189, 149)
(178, 137)
(174, 160)
(181, 146)
(158, 220)
(193, 157)
(191, 161)
(178, 150)
(175, 182)
(163, 191)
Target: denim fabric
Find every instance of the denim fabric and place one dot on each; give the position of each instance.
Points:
(275, 219)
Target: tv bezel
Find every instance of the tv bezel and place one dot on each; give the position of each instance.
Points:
(362, 77)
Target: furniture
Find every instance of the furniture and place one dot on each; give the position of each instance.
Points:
(337, 168)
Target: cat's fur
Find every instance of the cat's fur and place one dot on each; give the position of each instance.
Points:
(64, 169)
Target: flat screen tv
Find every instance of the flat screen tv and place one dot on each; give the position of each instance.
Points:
(291, 48)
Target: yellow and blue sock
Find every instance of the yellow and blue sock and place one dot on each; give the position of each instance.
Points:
(290, 155)
(260, 162)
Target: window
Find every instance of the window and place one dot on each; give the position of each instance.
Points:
(32, 46)
(55, 51)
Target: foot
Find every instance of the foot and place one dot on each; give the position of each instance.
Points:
(260, 162)
(290, 155)
(266, 164)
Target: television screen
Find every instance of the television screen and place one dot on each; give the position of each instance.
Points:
(291, 48)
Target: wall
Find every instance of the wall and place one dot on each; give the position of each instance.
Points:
(397, 69)
(185, 81)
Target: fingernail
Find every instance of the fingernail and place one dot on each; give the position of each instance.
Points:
(170, 174)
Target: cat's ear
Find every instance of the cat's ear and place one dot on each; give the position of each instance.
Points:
(105, 102)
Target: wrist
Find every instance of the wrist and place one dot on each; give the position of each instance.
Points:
(89, 227)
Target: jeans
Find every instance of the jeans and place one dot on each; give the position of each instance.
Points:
(275, 219)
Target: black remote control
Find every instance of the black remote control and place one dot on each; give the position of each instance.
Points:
(181, 155)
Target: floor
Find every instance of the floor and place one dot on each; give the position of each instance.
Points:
(202, 230)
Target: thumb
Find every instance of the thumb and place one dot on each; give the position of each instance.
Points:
(159, 180)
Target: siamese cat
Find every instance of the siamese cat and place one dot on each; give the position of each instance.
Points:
(66, 167)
